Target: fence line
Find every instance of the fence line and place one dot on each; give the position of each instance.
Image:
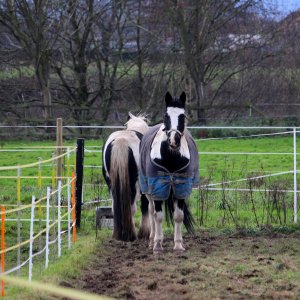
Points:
(227, 153)
(244, 136)
(288, 130)
(46, 230)
(36, 163)
(32, 238)
(247, 153)
(246, 179)
(37, 202)
(121, 126)
(32, 177)
(23, 150)
(294, 153)
(43, 230)
(52, 289)
(248, 190)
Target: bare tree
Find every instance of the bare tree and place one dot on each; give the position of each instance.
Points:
(30, 25)
(210, 40)
(87, 64)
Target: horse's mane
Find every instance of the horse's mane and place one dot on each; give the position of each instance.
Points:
(138, 123)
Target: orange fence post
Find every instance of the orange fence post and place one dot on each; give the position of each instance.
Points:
(3, 248)
(73, 208)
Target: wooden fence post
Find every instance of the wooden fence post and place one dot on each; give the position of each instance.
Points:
(79, 179)
(59, 143)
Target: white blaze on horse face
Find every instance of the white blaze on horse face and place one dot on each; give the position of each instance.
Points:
(174, 113)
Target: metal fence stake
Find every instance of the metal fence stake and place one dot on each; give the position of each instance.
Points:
(59, 220)
(31, 238)
(295, 175)
(47, 226)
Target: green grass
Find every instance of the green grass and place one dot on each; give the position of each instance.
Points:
(215, 164)
(68, 266)
(221, 209)
(213, 169)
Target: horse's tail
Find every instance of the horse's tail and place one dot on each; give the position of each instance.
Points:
(120, 180)
(188, 219)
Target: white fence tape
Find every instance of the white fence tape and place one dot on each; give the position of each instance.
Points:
(60, 232)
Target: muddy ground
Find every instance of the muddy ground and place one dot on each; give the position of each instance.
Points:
(214, 266)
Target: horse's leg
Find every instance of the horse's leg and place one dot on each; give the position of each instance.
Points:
(178, 220)
(144, 230)
(133, 211)
(158, 218)
(152, 222)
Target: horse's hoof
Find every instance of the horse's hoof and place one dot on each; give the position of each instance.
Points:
(178, 247)
(151, 244)
(158, 247)
(143, 234)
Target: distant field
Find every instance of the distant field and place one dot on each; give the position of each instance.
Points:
(213, 208)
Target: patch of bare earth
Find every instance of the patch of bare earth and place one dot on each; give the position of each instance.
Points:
(212, 267)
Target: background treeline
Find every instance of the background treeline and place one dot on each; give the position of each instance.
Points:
(91, 61)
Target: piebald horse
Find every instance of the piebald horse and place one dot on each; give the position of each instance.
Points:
(168, 172)
(120, 158)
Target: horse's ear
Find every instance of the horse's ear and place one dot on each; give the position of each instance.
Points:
(129, 116)
(183, 98)
(168, 99)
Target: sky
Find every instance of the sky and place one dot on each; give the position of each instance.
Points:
(287, 6)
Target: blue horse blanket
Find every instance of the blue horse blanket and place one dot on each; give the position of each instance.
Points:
(157, 180)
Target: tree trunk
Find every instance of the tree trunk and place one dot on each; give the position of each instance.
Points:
(43, 76)
(200, 100)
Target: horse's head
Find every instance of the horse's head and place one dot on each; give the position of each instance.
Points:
(174, 120)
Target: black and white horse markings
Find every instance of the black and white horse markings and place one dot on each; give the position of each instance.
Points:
(120, 170)
(168, 171)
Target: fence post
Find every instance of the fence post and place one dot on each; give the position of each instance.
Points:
(199, 193)
(73, 208)
(69, 213)
(31, 238)
(59, 142)
(19, 218)
(295, 175)
(53, 173)
(59, 219)
(68, 162)
(47, 226)
(3, 248)
(79, 179)
(40, 213)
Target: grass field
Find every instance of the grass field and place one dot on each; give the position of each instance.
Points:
(214, 169)
(243, 209)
